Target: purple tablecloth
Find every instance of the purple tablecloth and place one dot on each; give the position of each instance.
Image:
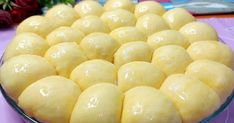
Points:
(225, 28)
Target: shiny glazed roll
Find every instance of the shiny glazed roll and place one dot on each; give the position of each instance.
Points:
(127, 34)
(36, 24)
(100, 103)
(118, 18)
(99, 46)
(198, 31)
(93, 72)
(212, 50)
(51, 99)
(85, 8)
(171, 59)
(167, 37)
(148, 105)
(193, 99)
(146, 7)
(151, 23)
(65, 57)
(119, 4)
(26, 43)
(62, 15)
(19, 72)
(139, 73)
(133, 51)
(64, 34)
(178, 17)
(90, 24)
(217, 76)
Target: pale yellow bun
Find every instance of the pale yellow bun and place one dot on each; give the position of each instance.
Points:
(90, 24)
(26, 43)
(212, 50)
(133, 51)
(151, 23)
(119, 4)
(148, 105)
(62, 15)
(193, 99)
(217, 76)
(88, 7)
(127, 34)
(139, 73)
(99, 46)
(178, 17)
(118, 18)
(167, 37)
(36, 24)
(93, 72)
(19, 72)
(50, 100)
(64, 34)
(171, 59)
(146, 7)
(100, 103)
(198, 31)
(65, 57)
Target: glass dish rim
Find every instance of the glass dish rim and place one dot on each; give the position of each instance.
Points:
(26, 117)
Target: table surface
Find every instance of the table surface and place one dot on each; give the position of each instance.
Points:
(224, 27)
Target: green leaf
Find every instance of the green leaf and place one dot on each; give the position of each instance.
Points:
(13, 4)
(9, 6)
(4, 6)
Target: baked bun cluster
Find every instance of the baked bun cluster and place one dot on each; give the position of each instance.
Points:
(117, 63)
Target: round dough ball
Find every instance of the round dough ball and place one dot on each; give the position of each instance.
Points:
(171, 59)
(192, 98)
(198, 31)
(118, 18)
(50, 100)
(36, 24)
(62, 15)
(212, 50)
(178, 17)
(139, 73)
(94, 71)
(21, 71)
(119, 4)
(90, 24)
(167, 37)
(133, 51)
(217, 76)
(99, 46)
(151, 23)
(65, 57)
(146, 7)
(148, 105)
(64, 34)
(127, 34)
(101, 103)
(26, 43)
(85, 8)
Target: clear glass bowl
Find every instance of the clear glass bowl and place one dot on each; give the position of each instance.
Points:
(29, 119)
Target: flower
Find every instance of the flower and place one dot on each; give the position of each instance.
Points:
(5, 19)
(18, 15)
(24, 9)
(28, 5)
